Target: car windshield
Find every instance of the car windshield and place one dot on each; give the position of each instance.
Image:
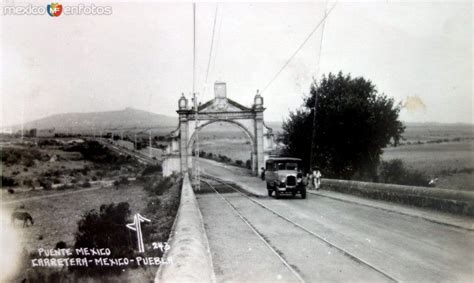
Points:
(291, 166)
(287, 166)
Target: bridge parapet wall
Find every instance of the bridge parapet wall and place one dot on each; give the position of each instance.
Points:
(189, 253)
(459, 202)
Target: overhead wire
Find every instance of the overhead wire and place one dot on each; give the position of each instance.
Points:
(321, 42)
(218, 38)
(212, 44)
(299, 48)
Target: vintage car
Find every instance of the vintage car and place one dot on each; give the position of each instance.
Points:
(284, 175)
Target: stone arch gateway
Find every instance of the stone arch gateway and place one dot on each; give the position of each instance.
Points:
(222, 109)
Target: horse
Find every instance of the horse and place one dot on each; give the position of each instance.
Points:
(25, 216)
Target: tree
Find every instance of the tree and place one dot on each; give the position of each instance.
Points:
(353, 124)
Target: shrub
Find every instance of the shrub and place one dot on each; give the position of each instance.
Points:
(86, 185)
(45, 184)
(97, 153)
(160, 186)
(61, 245)
(106, 228)
(85, 170)
(248, 164)
(151, 169)
(48, 142)
(28, 183)
(239, 162)
(121, 181)
(225, 159)
(8, 182)
(25, 156)
(395, 172)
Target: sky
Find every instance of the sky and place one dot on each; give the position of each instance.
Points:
(141, 56)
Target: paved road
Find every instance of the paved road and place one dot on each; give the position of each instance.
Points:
(324, 238)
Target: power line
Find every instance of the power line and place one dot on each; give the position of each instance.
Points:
(212, 43)
(218, 39)
(299, 48)
(321, 41)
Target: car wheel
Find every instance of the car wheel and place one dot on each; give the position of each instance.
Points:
(277, 194)
(303, 193)
(270, 192)
(293, 193)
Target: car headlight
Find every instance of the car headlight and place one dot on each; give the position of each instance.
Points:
(282, 180)
(299, 180)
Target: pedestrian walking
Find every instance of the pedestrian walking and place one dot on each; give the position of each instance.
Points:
(316, 178)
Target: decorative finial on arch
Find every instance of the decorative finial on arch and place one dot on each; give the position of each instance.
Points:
(258, 100)
(182, 102)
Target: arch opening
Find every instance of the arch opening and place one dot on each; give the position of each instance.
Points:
(225, 141)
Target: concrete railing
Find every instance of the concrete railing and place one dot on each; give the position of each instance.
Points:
(459, 202)
(189, 254)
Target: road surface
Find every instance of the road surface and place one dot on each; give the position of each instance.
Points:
(326, 237)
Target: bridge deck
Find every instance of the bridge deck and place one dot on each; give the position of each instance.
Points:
(324, 238)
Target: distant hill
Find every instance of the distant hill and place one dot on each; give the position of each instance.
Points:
(131, 118)
(121, 119)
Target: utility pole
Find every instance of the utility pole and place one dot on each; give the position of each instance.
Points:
(135, 141)
(196, 130)
(197, 184)
(149, 139)
(313, 136)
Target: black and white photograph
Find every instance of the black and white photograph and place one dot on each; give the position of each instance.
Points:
(266, 141)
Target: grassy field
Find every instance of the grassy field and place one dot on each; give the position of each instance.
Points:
(56, 217)
(434, 158)
(451, 162)
(425, 132)
(81, 180)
